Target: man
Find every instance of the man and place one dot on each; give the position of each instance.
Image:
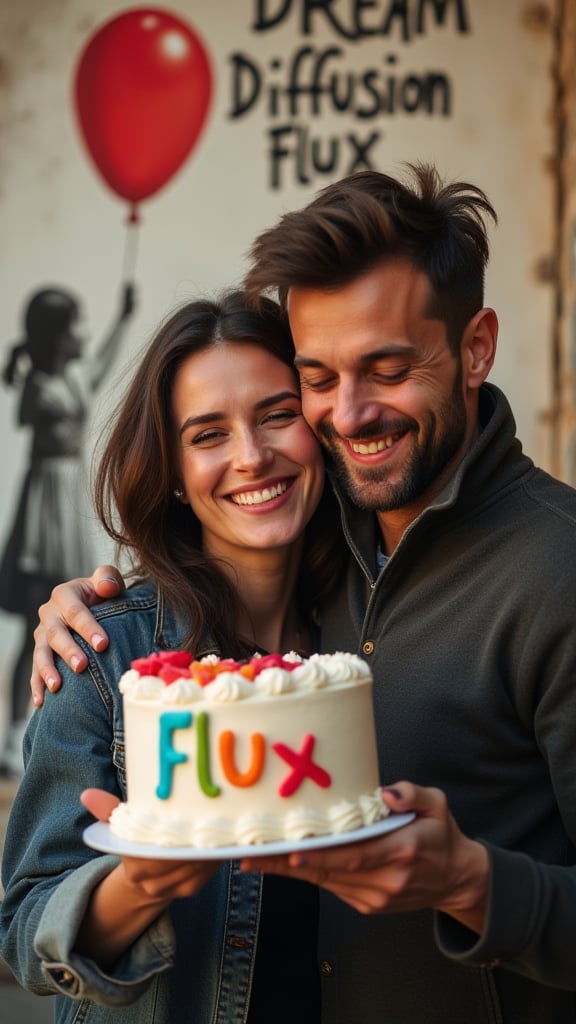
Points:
(462, 597)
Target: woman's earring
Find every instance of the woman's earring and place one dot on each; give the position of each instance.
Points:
(178, 493)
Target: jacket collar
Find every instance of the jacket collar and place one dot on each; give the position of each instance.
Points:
(172, 629)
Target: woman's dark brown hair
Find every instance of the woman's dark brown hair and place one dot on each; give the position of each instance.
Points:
(137, 474)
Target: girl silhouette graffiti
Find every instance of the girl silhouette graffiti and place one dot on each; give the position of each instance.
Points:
(50, 537)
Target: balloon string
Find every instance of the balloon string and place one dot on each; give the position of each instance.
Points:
(130, 251)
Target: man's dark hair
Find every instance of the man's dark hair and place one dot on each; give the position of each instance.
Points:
(368, 218)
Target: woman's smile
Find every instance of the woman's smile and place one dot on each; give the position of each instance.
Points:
(249, 465)
(264, 495)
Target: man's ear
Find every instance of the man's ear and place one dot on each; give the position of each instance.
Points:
(479, 347)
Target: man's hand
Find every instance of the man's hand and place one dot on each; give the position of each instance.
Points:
(68, 609)
(426, 864)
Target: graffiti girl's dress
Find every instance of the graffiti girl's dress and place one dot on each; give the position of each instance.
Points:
(50, 537)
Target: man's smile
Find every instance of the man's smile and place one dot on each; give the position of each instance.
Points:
(374, 446)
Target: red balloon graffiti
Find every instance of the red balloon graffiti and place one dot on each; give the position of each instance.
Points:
(143, 89)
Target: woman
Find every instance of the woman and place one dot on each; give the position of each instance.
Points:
(213, 484)
(50, 536)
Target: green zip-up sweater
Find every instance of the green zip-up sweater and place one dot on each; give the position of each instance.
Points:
(470, 630)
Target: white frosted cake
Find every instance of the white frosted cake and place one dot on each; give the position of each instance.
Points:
(221, 753)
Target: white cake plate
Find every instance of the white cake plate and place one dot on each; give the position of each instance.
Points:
(100, 837)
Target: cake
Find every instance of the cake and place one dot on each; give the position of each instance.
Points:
(226, 753)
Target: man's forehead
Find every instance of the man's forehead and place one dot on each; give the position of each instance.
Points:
(391, 288)
(380, 316)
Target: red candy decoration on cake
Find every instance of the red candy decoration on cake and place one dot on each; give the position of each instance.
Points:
(170, 666)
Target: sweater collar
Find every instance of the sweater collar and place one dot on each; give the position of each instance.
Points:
(494, 460)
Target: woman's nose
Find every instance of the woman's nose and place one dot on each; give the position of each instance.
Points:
(252, 452)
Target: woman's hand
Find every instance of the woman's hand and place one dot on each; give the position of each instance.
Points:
(134, 894)
(68, 609)
(161, 880)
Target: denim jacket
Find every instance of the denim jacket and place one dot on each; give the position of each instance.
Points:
(195, 962)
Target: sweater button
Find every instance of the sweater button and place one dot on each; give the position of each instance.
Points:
(368, 647)
(327, 968)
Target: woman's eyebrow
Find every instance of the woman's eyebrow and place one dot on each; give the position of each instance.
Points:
(213, 417)
(194, 421)
(280, 397)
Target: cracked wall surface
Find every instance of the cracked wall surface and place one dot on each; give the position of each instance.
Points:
(563, 341)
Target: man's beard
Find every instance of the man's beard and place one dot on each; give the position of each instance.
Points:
(370, 487)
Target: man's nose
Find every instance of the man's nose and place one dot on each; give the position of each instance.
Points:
(355, 408)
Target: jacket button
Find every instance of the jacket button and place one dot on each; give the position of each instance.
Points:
(327, 968)
(61, 975)
(368, 647)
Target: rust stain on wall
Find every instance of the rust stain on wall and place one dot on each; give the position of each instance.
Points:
(537, 18)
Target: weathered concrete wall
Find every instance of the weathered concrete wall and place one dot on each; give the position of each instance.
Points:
(303, 94)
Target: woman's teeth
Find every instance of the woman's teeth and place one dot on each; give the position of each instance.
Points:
(259, 497)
